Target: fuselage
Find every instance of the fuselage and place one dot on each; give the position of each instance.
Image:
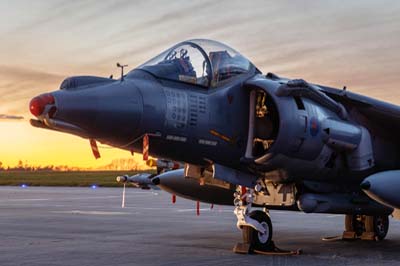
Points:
(266, 126)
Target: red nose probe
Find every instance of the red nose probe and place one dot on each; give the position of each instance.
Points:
(38, 104)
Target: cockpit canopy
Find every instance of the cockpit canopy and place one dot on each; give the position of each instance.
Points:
(203, 62)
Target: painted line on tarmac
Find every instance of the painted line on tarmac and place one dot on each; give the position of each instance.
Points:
(145, 208)
(203, 209)
(90, 197)
(92, 212)
(19, 200)
(101, 197)
(333, 216)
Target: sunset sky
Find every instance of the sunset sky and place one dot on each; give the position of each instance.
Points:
(337, 43)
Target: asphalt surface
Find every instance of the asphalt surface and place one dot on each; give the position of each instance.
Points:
(84, 226)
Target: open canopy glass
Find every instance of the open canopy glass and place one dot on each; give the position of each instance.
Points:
(202, 62)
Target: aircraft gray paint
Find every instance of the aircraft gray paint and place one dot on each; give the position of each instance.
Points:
(276, 143)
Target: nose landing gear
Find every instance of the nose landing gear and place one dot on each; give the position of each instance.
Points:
(256, 227)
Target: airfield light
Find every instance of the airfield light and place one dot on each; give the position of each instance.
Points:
(24, 186)
(93, 186)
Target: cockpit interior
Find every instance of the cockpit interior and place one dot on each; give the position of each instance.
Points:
(202, 62)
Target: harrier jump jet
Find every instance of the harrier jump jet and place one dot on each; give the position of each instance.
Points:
(263, 141)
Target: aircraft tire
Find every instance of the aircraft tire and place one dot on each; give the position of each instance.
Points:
(381, 226)
(257, 241)
(359, 224)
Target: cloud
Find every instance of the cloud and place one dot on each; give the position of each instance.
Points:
(323, 43)
(19, 85)
(19, 73)
(55, 12)
(10, 117)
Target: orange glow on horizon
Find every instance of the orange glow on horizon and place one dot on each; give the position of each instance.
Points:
(40, 147)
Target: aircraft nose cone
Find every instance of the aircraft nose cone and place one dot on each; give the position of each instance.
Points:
(366, 185)
(111, 112)
(38, 104)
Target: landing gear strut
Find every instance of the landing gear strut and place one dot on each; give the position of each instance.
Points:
(366, 227)
(256, 226)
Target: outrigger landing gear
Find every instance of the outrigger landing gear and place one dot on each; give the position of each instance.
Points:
(366, 227)
(256, 227)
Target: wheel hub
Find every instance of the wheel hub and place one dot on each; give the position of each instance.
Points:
(380, 227)
(263, 238)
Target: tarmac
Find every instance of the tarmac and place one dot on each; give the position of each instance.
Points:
(86, 226)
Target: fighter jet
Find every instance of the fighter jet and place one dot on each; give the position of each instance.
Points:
(269, 142)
